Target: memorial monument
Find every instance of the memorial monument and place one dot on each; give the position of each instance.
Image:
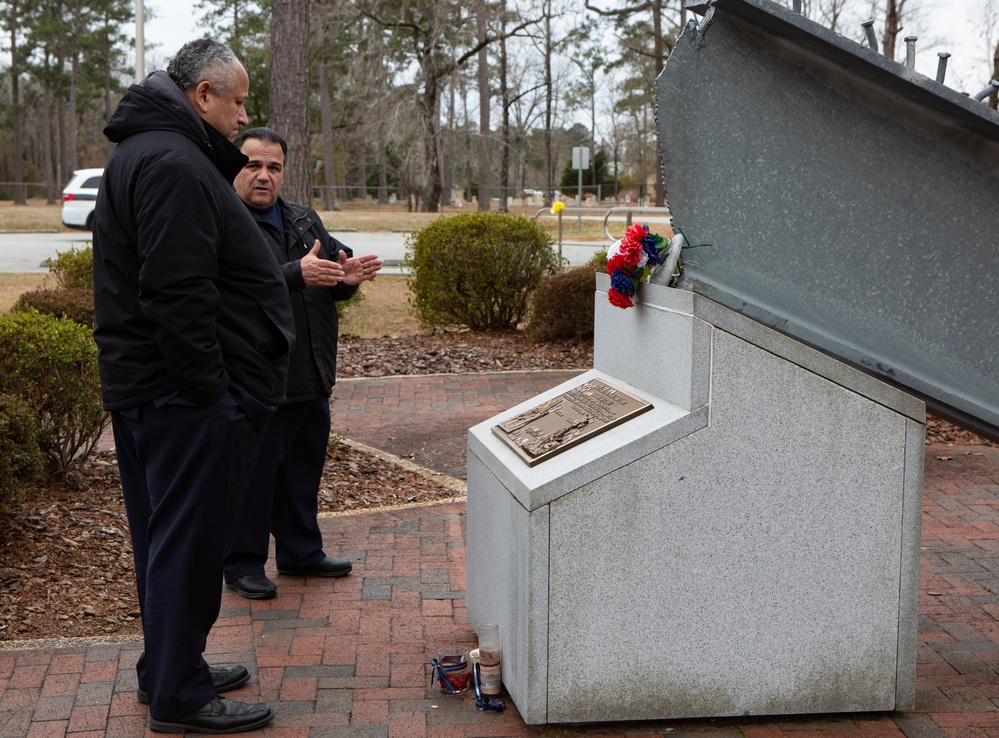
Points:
(722, 517)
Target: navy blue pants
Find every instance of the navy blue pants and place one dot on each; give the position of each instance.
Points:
(182, 476)
(282, 498)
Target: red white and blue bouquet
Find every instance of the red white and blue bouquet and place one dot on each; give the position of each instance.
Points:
(632, 259)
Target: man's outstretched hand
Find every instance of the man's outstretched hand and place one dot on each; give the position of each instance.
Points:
(318, 272)
(359, 268)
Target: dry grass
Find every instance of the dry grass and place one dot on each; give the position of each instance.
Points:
(13, 286)
(384, 311)
(35, 216)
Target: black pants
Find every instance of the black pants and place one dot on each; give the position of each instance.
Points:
(282, 498)
(182, 475)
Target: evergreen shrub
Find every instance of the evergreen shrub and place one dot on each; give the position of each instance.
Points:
(477, 269)
(22, 460)
(73, 268)
(561, 308)
(75, 303)
(51, 364)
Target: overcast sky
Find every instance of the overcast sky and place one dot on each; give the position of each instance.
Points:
(942, 25)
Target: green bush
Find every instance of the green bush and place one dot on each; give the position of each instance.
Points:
(51, 364)
(73, 268)
(599, 260)
(22, 460)
(75, 303)
(561, 308)
(477, 269)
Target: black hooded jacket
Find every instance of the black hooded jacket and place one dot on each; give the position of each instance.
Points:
(188, 294)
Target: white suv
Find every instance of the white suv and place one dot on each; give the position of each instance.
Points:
(80, 197)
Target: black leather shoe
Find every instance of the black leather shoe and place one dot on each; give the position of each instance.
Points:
(225, 679)
(217, 717)
(328, 567)
(253, 587)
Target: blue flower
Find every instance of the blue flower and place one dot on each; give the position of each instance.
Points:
(621, 282)
(649, 246)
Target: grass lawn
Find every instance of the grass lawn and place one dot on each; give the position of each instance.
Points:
(383, 310)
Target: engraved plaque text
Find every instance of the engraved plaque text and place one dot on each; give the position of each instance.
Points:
(567, 420)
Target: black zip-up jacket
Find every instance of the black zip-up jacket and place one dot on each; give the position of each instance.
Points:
(188, 295)
(312, 370)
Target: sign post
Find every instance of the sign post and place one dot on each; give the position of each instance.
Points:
(580, 161)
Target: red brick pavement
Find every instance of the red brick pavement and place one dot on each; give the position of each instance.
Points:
(348, 657)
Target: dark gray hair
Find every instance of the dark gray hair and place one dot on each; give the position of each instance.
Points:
(267, 135)
(204, 59)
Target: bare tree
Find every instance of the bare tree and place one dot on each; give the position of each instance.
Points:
(634, 40)
(893, 25)
(326, 123)
(290, 92)
(485, 99)
(11, 19)
(433, 30)
(242, 24)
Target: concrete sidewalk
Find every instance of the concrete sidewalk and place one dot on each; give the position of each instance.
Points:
(349, 657)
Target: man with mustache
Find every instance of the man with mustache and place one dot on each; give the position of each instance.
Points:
(319, 270)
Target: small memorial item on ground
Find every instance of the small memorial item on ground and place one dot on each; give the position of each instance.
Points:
(450, 669)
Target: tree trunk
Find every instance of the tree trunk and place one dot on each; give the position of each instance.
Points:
(659, 48)
(74, 76)
(430, 112)
(893, 24)
(50, 185)
(20, 196)
(108, 102)
(481, 16)
(326, 121)
(549, 111)
(504, 171)
(994, 97)
(448, 139)
(290, 93)
(378, 49)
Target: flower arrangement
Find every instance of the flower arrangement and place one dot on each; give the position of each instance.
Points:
(632, 259)
(557, 207)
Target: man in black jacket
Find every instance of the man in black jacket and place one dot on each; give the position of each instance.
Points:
(318, 270)
(194, 330)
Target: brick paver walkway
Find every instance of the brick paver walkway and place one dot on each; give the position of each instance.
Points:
(349, 657)
(426, 419)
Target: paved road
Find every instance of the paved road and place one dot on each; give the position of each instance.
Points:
(27, 252)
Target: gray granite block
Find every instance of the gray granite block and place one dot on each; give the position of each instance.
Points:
(753, 554)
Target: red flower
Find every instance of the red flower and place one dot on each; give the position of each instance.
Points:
(636, 233)
(631, 250)
(618, 299)
(618, 262)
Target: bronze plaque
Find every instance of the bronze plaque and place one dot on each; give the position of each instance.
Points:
(567, 420)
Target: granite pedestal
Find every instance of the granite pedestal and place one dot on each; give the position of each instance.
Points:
(747, 547)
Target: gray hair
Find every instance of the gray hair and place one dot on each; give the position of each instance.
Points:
(204, 59)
